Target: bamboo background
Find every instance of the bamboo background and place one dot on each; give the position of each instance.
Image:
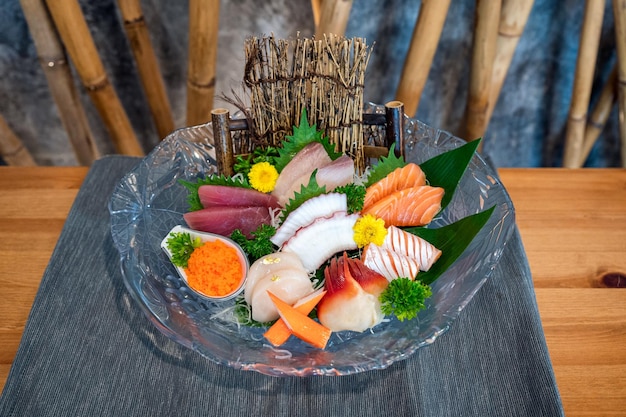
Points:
(527, 124)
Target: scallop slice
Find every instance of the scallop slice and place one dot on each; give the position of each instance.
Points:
(267, 265)
(321, 206)
(290, 285)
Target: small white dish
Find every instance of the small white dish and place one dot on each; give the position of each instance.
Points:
(209, 237)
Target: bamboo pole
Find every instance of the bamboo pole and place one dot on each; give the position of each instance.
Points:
(316, 7)
(583, 80)
(12, 149)
(148, 66)
(422, 48)
(60, 80)
(203, 35)
(599, 115)
(484, 51)
(513, 18)
(619, 11)
(75, 34)
(333, 18)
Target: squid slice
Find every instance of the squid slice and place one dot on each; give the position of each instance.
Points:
(321, 206)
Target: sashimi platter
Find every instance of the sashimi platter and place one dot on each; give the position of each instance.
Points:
(298, 264)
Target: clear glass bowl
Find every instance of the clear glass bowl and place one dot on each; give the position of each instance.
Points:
(149, 201)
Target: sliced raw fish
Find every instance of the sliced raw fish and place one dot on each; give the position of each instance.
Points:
(390, 264)
(267, 265)
(289, 285)
(222, 195)
(318, 241)
(321, 206)
(223, 220)
(410, 175)
(401, 241)
(415, 206)
(313, 156)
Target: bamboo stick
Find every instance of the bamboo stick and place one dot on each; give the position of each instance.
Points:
(12, 149)
(422, 48)
(60, 80)
(599, 115)
(484, 50)
(583, 80)
(148, 66)
(513, 18)
(75, 34)
(619, 11)
(222, 140)
(203, 36)
(333, 18)
(316, 7)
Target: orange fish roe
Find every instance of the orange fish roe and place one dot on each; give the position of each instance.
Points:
(214, 269)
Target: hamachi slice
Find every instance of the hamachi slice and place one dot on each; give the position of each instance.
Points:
(408, 244)
(337, 173)
(318, 241)
(223, 220)
(221, 195)
(313, 156)
(410, 175)
(346, 306)
(268, 265)
(324, 205)
(415, 206)
(390, 264)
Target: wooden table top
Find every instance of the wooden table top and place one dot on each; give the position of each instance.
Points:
(572, 223)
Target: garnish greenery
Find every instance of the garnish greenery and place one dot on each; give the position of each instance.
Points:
(445, 170)
(302, 136)
(452, 240)
(385, 166)
(259, 245)
(312, 189)
(181, 245)
(355, 195)
(243, 163)
(404, 298)
(194, 200)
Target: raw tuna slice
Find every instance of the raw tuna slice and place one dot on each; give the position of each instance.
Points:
(221, 195)
(223, 220)
(313, 156)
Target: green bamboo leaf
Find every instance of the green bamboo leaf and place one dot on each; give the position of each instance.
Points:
(452, 240)
(445, 170)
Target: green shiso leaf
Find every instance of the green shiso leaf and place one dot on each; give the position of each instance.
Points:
(385, 166)
(302, 136)
(194, 200)
(452, 240)
(445, 170)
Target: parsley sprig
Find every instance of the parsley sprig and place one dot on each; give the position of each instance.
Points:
(181, 245)
(404, 298)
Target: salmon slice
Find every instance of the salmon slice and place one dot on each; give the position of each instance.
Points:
(410, 175)
(415, 206)
(408, 244)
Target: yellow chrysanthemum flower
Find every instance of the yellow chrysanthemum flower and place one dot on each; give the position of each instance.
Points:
(369, 229)
(263, 177)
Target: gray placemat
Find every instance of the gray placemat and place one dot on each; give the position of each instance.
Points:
(87, 350)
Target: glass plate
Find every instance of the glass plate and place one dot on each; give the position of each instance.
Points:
(149, 201)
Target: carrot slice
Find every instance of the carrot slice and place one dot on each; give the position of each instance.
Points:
(279, 332)
(301, 325)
